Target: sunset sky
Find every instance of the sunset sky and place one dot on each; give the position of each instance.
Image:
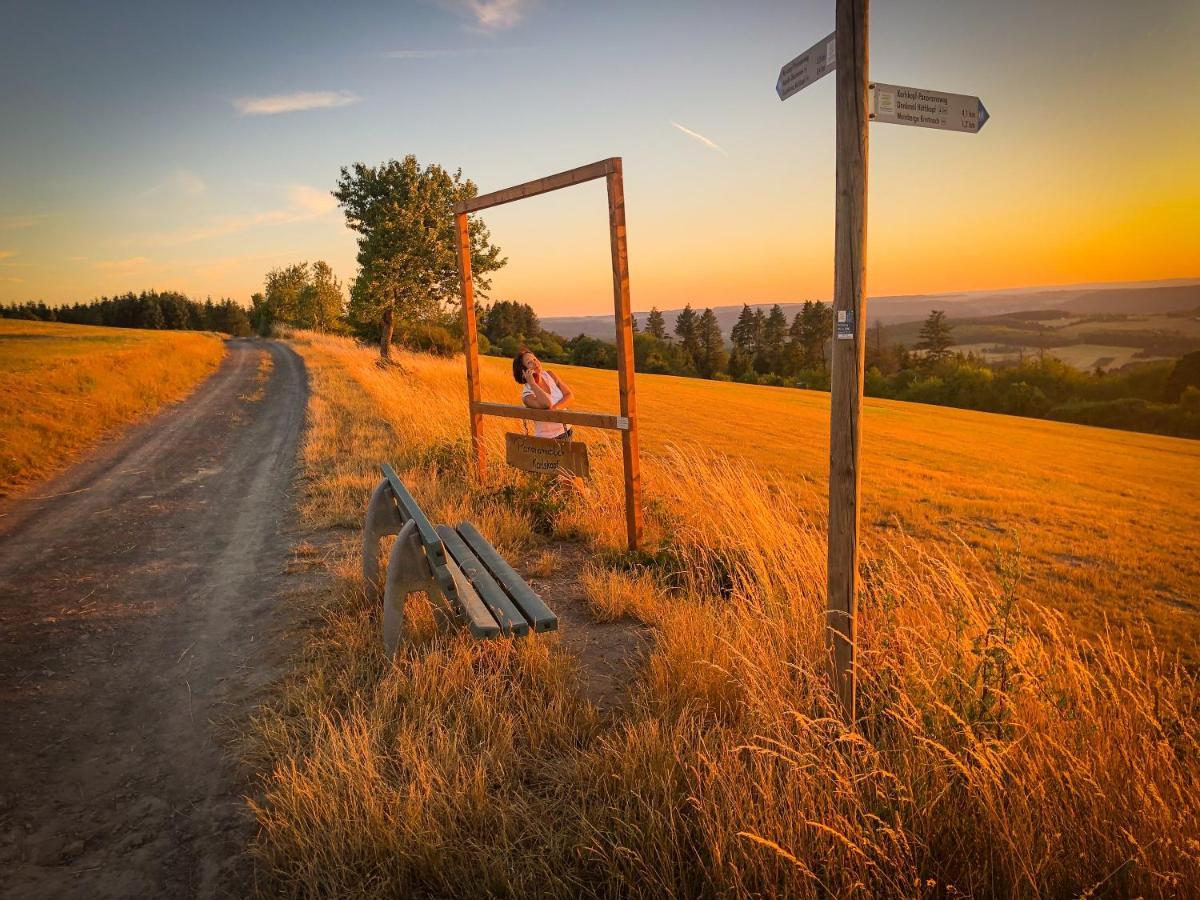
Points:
(147, 145)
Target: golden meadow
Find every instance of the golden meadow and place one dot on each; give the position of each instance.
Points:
(64, 387)
(1010, 742)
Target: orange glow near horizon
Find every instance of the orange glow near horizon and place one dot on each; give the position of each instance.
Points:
(1084, 174)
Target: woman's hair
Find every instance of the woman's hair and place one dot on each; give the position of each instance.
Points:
(518, 366)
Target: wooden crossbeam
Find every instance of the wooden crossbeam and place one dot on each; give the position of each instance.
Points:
(571, 177)
(562, 416)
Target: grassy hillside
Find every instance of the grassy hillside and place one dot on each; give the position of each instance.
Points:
(1106, 521)
(63, 387)
(995, 754)
(1084, 341)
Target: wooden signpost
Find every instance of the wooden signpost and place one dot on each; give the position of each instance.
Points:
(626, 421)
(546, 455)
(857, 103)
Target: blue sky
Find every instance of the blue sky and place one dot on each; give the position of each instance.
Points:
(194, 146)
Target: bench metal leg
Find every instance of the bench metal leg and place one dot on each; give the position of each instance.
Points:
(408, 572)
(383, 518)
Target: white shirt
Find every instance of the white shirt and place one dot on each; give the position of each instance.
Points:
(550, 386)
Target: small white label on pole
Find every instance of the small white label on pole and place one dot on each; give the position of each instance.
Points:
(926, 109)
(845, 325)
(623, 423)
(815, 62)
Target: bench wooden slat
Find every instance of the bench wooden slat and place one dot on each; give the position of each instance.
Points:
(429, 537)
(508, 616)
(531, 605)
(479, 620)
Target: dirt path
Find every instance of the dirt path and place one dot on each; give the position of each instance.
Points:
(136, 615)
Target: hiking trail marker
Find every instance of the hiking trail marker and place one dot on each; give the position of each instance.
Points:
(926, 109)
(528, 450)
(858, 101)
(815, 62)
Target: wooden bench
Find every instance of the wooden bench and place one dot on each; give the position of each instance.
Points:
(467, 581)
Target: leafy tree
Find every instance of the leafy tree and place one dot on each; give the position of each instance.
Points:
(231, 318)
(712, 345)
(657, 356)
(656, 326)
(507, 318)
(321, 302)
(687, 330)
(817, 329)
(589, 351)
(260, 314)
(284, 291)
(408, 268)
(1185, 374)
(758, 329)
(937, 337)
(744, 337)
(771, 342)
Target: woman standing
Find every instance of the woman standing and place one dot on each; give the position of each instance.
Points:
(541, 389)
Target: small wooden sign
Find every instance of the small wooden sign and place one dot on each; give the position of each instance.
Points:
(546, 455)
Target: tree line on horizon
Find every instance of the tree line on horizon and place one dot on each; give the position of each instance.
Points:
(155, 310)
(764, 348)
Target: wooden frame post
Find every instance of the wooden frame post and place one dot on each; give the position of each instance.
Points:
(846, 389)
(462, 236)
(626, 422)
(624, 317)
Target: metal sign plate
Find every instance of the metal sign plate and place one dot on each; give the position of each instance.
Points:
(815, 62)
(926, 109)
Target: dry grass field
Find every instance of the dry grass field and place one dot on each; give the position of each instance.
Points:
(1108, 522)
(996, 753)
(64, 387)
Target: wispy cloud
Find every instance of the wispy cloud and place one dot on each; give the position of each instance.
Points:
(11, 223)
(7, 280)
(310, 201)
(7, 254)
(275, 104)
(304, 203)
(489, 15)
(186, 182)
(448, 53)
(695, 135)
(178, 182)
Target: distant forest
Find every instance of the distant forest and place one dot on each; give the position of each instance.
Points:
(1161, 396)
(149, 309)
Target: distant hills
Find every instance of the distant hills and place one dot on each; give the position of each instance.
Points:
(1136, 299)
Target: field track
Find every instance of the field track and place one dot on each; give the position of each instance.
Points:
(135, 609)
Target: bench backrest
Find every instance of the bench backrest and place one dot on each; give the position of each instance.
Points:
(434, 551)
(510, 601)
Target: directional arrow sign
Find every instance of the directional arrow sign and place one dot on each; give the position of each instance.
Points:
(806, 68)
(926, 109)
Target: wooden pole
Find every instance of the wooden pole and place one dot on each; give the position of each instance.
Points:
(470, 339)
(849, 272)
(625, 381)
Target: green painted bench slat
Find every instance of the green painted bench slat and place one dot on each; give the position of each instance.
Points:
(433, 545)
(531, 605)
(501, 606)
(475, 614)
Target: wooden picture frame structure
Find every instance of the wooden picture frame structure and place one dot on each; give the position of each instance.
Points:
(626, 421)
